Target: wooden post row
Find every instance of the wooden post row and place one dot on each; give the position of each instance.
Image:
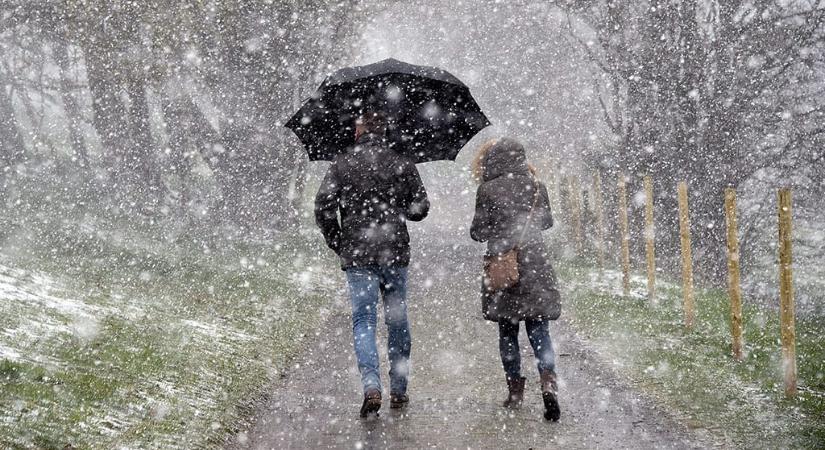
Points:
(649, 240)
(687, 260)
(566, 201)
(597, 206)
(734, 289)
(786, 303)
(625, 238)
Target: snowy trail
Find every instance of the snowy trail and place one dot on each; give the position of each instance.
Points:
(457, 383)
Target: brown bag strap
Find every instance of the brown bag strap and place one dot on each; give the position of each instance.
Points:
(532, 209)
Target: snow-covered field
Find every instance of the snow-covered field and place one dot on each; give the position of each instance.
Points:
(39, 307)
(691, 371)
(169, 360)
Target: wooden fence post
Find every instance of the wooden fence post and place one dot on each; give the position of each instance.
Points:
(597, 206)
(786, 305)
(649, 240)
(565, 215)
(734, 289)
(575, 202)
(687, 260)
(625, 238)
(566, 201)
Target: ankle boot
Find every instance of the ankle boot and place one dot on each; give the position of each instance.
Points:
(372, 402)
(515, 396)
(549, 393)
(398, 401)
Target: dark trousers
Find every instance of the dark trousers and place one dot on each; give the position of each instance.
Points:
(538, 333)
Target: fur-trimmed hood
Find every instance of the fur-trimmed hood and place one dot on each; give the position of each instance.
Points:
(505, 156)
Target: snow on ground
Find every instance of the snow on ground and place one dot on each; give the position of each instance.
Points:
(626, 348)
(217, 332)
(609, 281)
(42, 315)
(35, 307)
(9, 353)
(21, 286)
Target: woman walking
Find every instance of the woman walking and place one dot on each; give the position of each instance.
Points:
(512, 208)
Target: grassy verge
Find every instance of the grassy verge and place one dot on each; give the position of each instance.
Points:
(109, 341)
(693, 373)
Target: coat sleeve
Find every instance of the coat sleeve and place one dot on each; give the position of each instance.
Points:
(326, 208)
(418, 206)
(546, 217)
(480, 230)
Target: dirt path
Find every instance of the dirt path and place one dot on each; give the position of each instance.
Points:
(457, 384)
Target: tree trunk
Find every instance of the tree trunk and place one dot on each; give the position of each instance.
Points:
(12, 148)
(110, 118)
(70, 106)
(142, 149)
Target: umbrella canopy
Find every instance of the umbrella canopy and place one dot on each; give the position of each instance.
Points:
(431, 112)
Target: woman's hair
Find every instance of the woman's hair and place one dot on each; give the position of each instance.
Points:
(372, 121)
(477, 166)
(533, 171)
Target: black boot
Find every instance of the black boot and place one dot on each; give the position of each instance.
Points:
(515, 396)
(372, 402)
(549, 393)
(398, 400)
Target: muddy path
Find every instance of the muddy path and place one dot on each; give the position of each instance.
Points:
(457, 383)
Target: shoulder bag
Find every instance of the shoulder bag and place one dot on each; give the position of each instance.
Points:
(501, 271)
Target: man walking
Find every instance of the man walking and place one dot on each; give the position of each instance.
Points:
(376, 191)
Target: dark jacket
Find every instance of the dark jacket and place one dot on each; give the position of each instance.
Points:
(376, 191)
(503, 203)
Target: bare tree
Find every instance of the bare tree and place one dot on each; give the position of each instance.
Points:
(712, 92)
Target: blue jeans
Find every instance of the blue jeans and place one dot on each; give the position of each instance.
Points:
(365, 285)
(539, 334)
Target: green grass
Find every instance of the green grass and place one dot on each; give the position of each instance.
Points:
(191, 331)
(693, 372)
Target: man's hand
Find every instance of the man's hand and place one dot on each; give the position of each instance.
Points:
(334, 244)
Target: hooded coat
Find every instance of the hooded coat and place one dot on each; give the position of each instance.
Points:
(375, 191)
(503, 203)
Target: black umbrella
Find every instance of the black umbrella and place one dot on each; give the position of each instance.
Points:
(431, 113)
